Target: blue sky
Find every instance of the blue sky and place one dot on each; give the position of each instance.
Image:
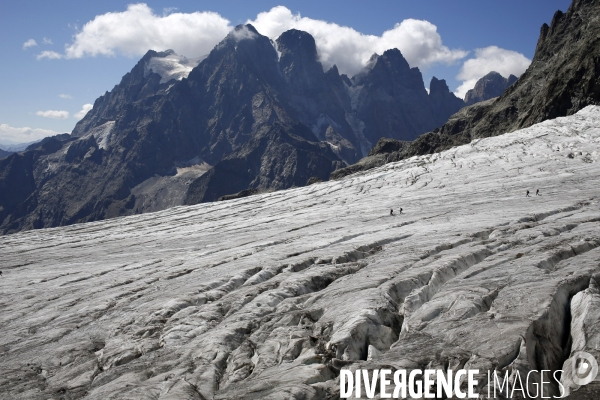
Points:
(47, 94)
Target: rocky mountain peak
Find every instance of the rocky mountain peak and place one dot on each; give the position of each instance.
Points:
(243, 31)
(394, 57)
(297, 45)
(491, 85)
(299, 60)
(561, 80)
(444, 102)
(438, 86)
(391, 65)
(135, 85)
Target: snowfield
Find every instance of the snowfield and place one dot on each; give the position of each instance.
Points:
(171, 67)
(270, 296)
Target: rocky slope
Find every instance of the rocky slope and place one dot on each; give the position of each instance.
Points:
(490, 86)
(312, 280)
(4, 153)
(563, 78)
(264, 115)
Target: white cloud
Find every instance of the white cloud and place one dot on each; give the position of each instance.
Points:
(9, 134)
(489, 59)
(55, 114)
(138, 29)
(47, 41)
(29, 43)
(243, 33)
(134, 31)
(65, 96)
(418, 40)
(52, 55)
(84, 110)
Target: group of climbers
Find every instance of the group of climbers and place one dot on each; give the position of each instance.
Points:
(537, 193)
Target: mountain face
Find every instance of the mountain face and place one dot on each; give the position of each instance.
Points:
(4, 153)
(564, 77)
(490, 86)
(443, 100)
(253, 114)
(390, 99)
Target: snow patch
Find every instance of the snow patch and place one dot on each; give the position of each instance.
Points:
(102, 134)
(354, 93)
(323, 120)
(171, 67)
(358, 127)
(274, 44)
(243, 33)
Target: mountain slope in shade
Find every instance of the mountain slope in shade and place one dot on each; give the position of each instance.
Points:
(270, 296)
(4, 153)
(490, 86)
(264, 115)
(563, 78)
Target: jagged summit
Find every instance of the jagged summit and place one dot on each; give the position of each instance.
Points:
(489, 86)
(562, 79)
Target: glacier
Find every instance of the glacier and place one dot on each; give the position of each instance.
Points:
(270, 296)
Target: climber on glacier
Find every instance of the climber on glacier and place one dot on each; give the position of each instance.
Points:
(392, 211)
(537, 192)
(527, 194)
(400, 212)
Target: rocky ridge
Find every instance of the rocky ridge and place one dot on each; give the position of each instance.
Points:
(563, 78)
(490, 86)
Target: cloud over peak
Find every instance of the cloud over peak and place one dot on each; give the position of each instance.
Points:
(84, 110)
(418, 40)
(137, 29)
(486, 60)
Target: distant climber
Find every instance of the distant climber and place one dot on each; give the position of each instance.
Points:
(537, 192)
(527, 194)
(0, 273)
(400, 212)
(392, 211)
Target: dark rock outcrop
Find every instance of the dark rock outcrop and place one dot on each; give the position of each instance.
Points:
(276, 158)
(563, 78)
(385, 145)
(50, 144)
(444, 102)
(391, 100)
(490, 86)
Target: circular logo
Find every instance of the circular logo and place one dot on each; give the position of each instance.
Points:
(584, 368)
